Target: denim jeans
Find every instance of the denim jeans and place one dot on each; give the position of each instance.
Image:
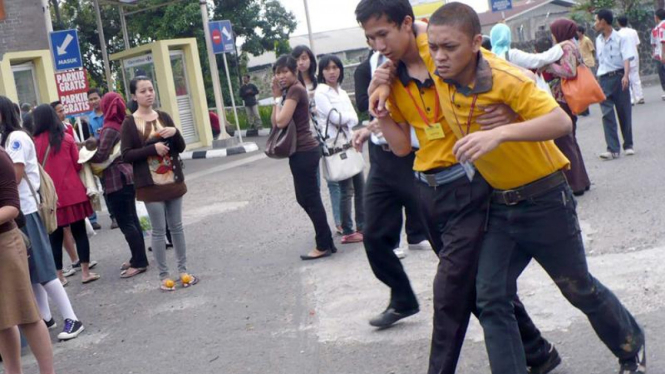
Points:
(335, 201)
(546, 229)
(616, 97)
(161, 213)
(355, 187)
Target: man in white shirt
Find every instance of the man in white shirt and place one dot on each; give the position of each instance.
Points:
(631, 37)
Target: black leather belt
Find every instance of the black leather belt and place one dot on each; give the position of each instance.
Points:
(386, 148)
(513, 197)
(612, 73)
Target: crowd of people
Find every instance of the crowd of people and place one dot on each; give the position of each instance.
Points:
(136, 156)
(488, 195)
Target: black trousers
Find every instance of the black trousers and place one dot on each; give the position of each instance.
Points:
(304, 167)
(122, 202)
(455, 215)
(80, 237)
(389, 190)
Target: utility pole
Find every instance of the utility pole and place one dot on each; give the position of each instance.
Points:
(102, 41)
(46, 8)
(309, 29)
(214, 72)
(123, 25)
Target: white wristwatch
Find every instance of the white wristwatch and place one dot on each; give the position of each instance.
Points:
(277, 101)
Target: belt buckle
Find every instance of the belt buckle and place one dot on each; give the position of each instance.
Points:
(431, 180)
(510, 197)
(386, 148)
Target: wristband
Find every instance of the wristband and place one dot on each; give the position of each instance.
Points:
(277, 101)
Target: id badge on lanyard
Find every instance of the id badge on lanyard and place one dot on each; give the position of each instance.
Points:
(468, 166)
(433, 130)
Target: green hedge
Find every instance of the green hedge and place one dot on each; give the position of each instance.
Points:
(264, 111)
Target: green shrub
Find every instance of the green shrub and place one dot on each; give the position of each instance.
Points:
(264, 112)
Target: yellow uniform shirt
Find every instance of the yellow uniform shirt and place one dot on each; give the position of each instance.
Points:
(403, 108)
(512, 164)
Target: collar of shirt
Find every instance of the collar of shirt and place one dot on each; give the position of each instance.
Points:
(405, 78)
(614, 37)
(482, 82)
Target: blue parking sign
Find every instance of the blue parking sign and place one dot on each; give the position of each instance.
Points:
(501, 5)
(65, 49)
(221, 35)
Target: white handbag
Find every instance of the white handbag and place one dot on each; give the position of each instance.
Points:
(341, 160)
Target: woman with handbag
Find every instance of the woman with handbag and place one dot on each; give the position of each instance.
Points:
(59, 155)
(335, 110)
(119, 183)
(291, 108)
(45, 282)
(307, 76)
(17, 302)
(152, 144)
(564, 31)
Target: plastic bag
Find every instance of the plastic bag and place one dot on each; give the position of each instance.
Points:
(144, 219)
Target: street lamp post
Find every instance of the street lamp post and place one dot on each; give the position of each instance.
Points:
(102, 41)
(309, 28)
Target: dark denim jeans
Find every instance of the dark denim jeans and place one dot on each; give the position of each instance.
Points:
(619, 98)
(546, 229)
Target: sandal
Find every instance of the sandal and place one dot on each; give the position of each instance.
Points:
(192, 280)
(93, 277)
(125, 266)
(131, 272)
(165, 287)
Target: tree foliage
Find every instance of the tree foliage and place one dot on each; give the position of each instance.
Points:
(261, 25)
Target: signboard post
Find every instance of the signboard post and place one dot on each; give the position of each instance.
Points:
(65, 50)
(221, 35)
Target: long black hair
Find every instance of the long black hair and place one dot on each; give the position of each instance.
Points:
(9, 119)
(46, 120)
(299, 50)
(323, 64)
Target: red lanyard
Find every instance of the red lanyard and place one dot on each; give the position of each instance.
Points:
(468, 122)
(422, 114)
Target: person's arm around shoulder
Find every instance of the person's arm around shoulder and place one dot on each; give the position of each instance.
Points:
(535, 60)
(543, 120)
(566, 67)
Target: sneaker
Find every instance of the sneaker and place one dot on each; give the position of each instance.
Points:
(553, 360)
(629, 152)
(635, 365)
(51, 324)
(77, 265)
(420, 246)
(663, 97)
(69, 272)
(640, 101)
(96, 226)
(72, 329)
(114, 224)
(390, 316)
(607, 156)
(356, 237)
(399, 252)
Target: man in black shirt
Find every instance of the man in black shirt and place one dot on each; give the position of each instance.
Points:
(248, 94)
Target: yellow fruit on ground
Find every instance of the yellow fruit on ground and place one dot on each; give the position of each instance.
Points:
(169, 283)
(186, 279)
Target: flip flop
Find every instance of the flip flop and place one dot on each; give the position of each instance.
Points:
(163, 287)
(126, 274)
(194, 281)
(93, 278)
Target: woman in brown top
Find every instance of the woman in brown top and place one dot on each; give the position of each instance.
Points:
(292, 103)
(17, 302)
(152, 144)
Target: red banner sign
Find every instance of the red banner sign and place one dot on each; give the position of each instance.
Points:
(73, 91)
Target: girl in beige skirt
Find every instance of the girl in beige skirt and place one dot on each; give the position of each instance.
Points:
(18, 307)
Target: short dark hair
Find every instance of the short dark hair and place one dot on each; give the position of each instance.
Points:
(581, 29)
(543, 44)
(247, 76)
(623, 21)
(296, 53)
(660, 13)
(324, 62)
(459, 15)
(94, 91)
(285, 61)
(55, 104)
(394, 10)
(134, 83)
(605, 15)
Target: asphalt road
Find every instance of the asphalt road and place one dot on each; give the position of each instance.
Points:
(259, 309)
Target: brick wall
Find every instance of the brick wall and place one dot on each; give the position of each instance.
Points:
(23, 28)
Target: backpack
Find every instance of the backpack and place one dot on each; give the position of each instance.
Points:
(49, 198)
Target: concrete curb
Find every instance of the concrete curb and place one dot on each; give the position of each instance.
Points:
(216, 153)
(262, 132)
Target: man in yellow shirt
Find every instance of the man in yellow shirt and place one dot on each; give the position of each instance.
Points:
(532, 211)
(453, 207)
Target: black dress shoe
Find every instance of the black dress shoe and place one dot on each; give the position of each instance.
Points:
(308, 257)
(390, 316)
(553, 360)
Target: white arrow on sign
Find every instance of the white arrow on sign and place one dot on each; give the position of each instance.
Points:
(226, 33)
(62, 49)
